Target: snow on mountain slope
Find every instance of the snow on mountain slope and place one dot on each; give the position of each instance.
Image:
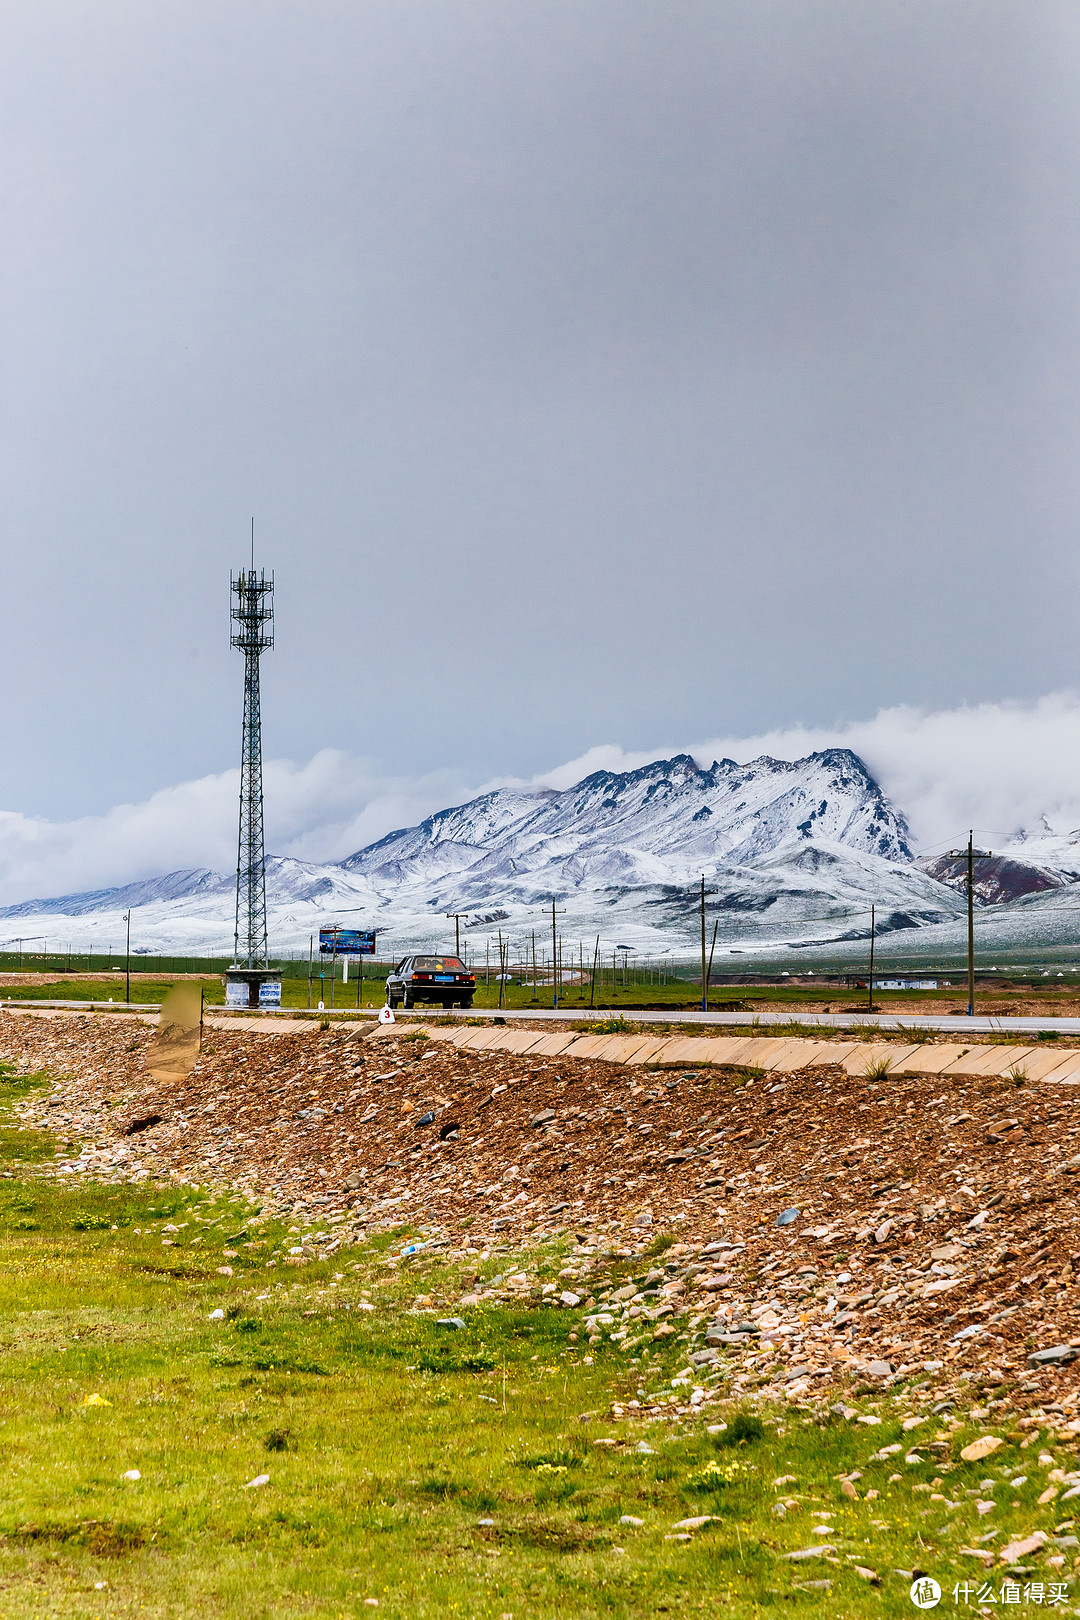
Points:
(175, 886)
(664, 820)
(1025, 864)
(786, 846)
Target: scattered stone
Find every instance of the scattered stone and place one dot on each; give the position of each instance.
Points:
(1056, 1356)
(455, 1322)
(1020, 1549)
(787, 1217)
(980, 1448)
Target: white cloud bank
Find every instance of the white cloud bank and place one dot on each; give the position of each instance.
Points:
(999, 767)
(320, 811)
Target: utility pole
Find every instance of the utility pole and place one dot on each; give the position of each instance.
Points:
(870, 987)
(127, 966)
(704, 977)
(457, 916)
(595, 965)
(555, 957)
(310, 964)
(971, 921)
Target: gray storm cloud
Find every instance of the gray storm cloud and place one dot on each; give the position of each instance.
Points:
(661, 369)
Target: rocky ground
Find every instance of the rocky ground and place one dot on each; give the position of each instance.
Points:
(807, 1238)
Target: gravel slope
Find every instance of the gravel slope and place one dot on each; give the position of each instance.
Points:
(931, 1230)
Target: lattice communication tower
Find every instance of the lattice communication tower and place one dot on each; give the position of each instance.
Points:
(253, 618)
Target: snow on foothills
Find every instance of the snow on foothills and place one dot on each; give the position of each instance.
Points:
(783, 845)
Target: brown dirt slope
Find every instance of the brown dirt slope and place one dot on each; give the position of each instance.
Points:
(934, 1222)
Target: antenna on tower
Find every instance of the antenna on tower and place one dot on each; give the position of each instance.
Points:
(251, 981)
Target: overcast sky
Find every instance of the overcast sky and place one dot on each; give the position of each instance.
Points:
(596, 373)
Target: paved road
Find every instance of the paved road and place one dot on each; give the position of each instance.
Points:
(947, 1023)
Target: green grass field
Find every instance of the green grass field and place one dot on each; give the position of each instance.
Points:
(682, 995)
(435, 1471)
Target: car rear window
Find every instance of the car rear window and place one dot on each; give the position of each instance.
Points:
(437, 964)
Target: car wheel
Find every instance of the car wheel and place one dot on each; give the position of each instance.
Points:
(467, 1003)
(407, 1001)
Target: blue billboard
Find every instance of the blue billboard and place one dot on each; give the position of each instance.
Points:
(346, 942)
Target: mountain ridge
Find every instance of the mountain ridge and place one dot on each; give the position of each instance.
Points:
(786, 846)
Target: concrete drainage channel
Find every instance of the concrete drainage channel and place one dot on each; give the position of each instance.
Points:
(868, 1059)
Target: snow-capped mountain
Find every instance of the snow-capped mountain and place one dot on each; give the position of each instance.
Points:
(662, 823)
(789, 849)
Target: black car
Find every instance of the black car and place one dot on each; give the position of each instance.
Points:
(441, 980)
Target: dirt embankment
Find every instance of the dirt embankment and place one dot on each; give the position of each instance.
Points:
(827, 1228)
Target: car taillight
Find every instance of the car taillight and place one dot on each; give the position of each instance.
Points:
(421, 976)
